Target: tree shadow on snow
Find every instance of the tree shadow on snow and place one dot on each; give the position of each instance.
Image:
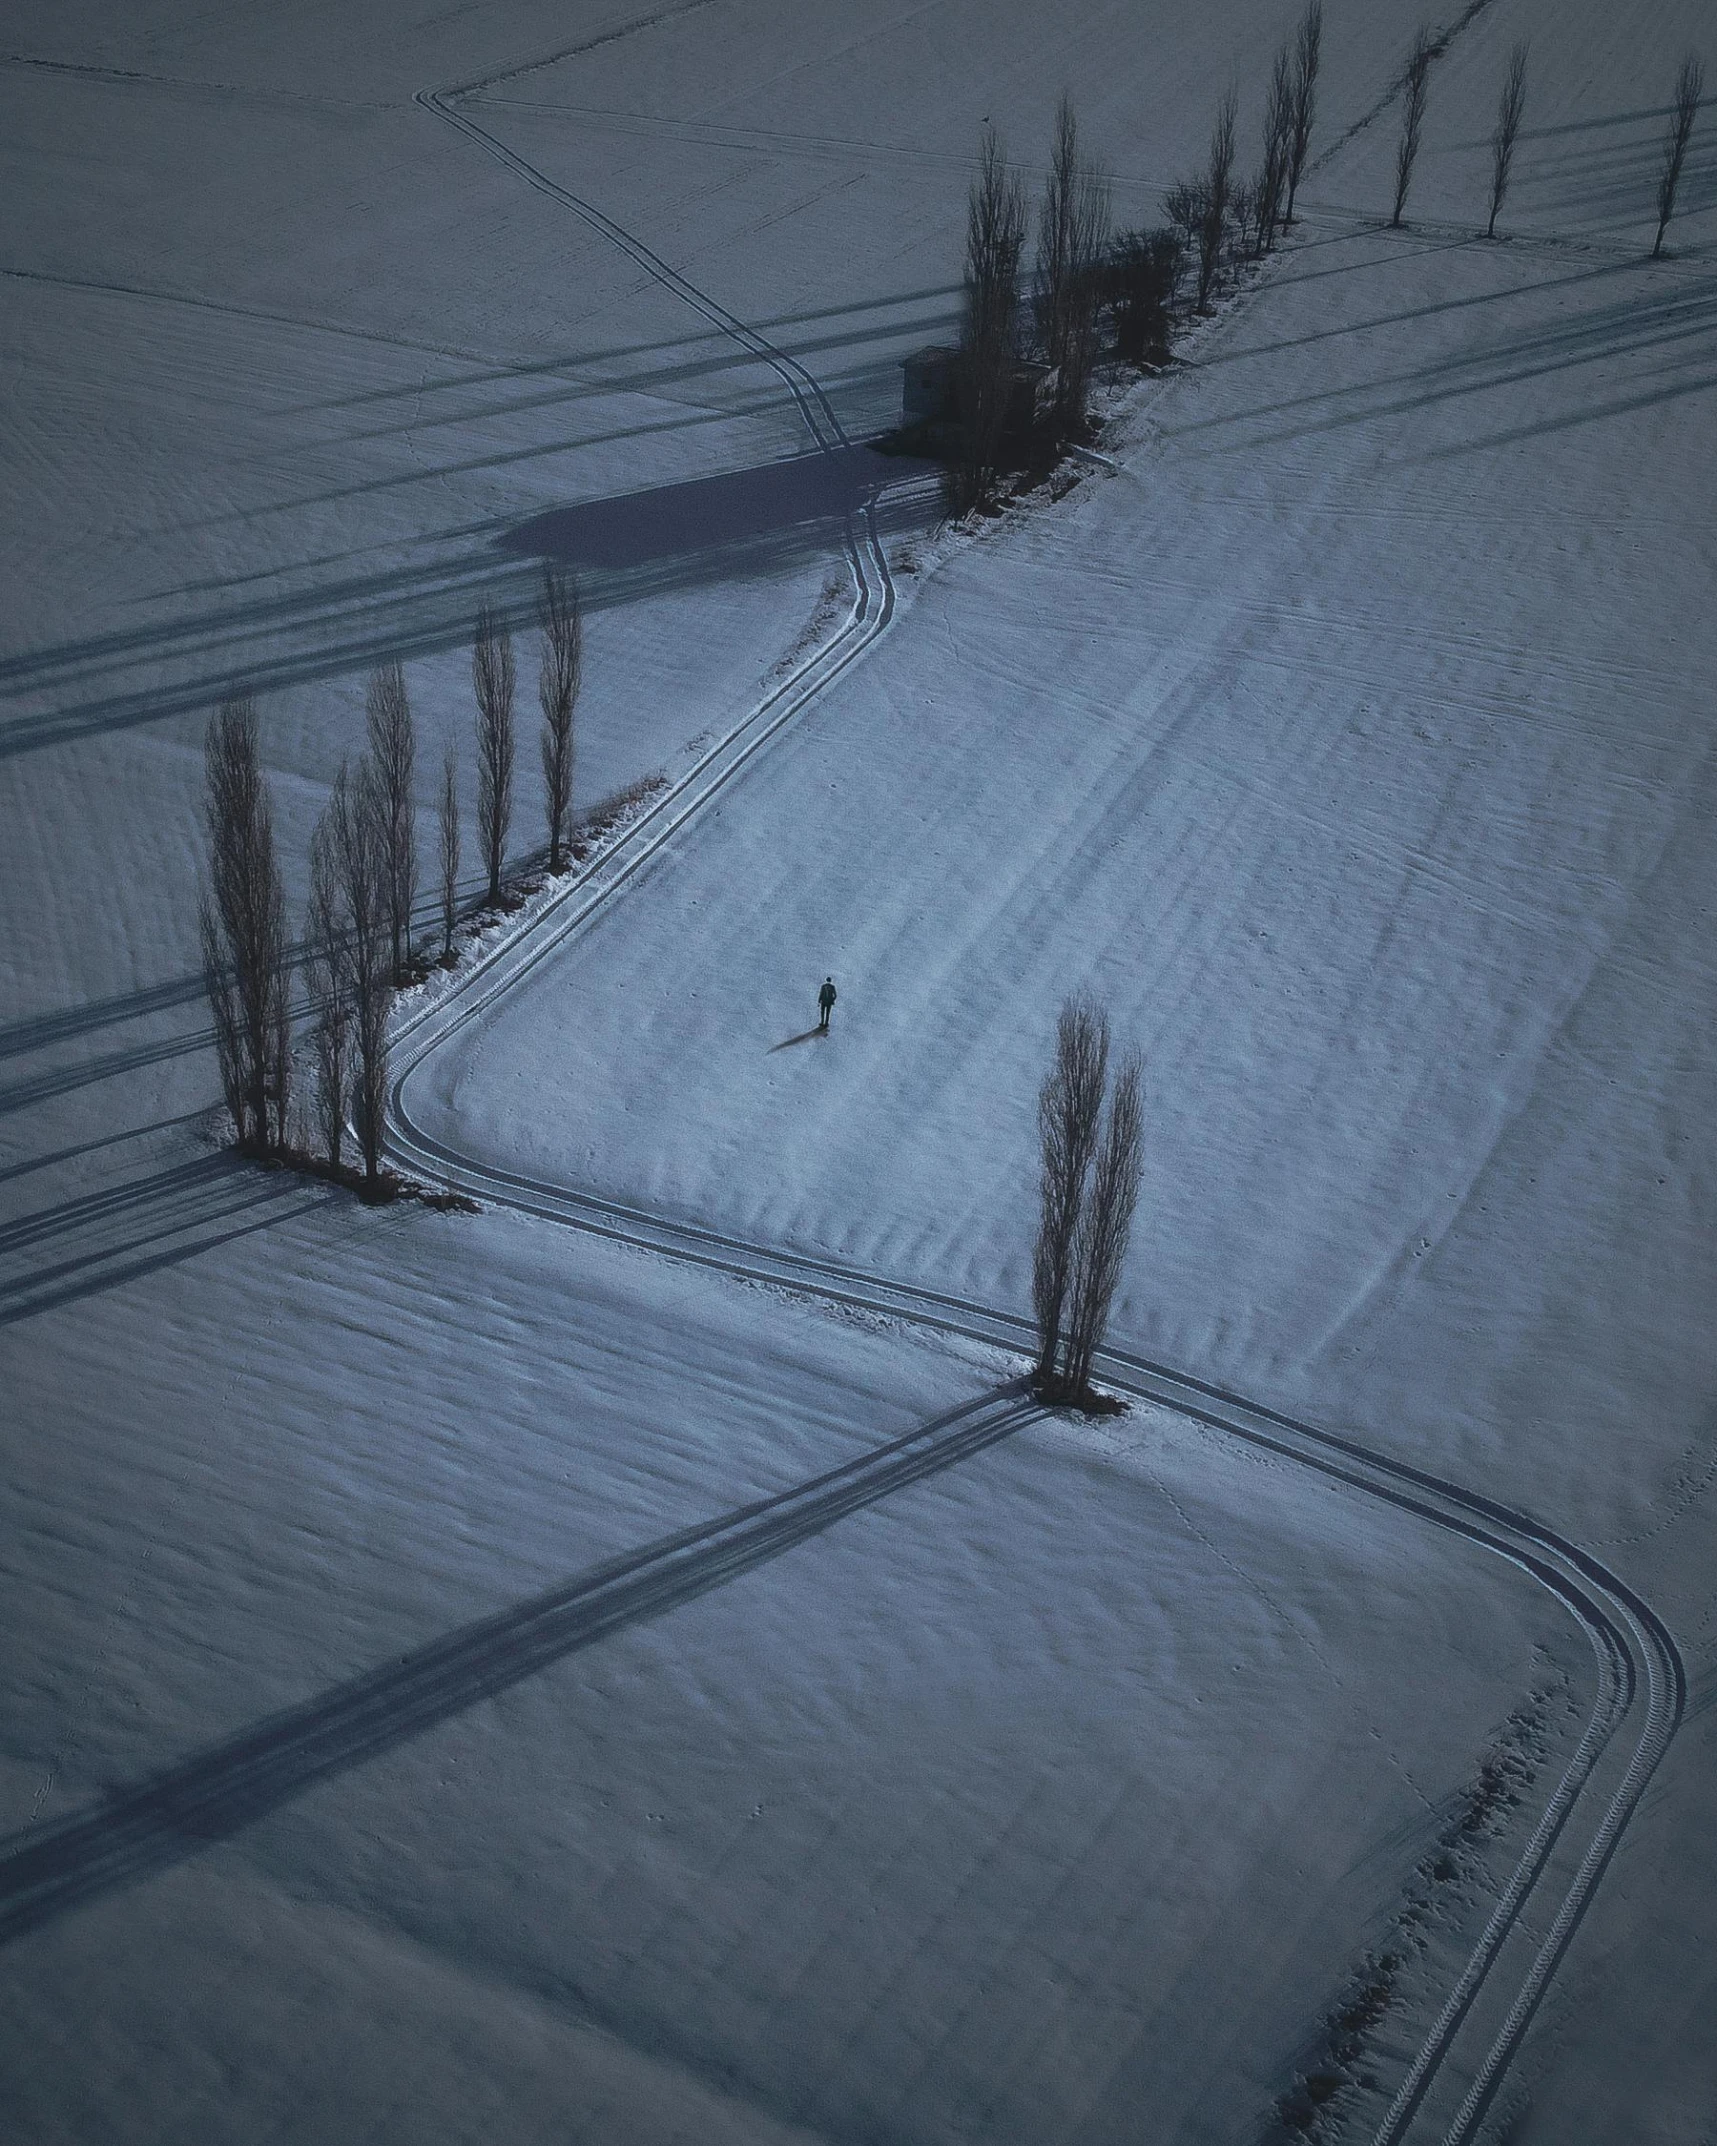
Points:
(743, 525)
(101, 1240)
(137, 1831)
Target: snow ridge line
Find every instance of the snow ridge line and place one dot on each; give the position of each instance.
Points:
(1634, 1651)
(135, 1832)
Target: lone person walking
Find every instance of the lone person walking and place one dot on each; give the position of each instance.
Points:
(825, 999)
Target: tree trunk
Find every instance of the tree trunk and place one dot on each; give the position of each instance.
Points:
(244, 932)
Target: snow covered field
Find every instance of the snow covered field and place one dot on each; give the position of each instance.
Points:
(1352, 742)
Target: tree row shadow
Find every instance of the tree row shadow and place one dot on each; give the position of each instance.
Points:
(138, 1831)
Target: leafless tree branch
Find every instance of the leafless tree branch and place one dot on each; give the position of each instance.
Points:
(1216, 200)
(1271, 185)
(1415, 84)
(448, 831)
(358, 812)
(989, 328)
(1105, 1227)
(330, 978)
(1068, 1112)
(1308, 47)
(243, 931)
(1072, 237)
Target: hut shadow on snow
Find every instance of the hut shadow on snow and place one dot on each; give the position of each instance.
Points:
(747, 521)
(742, 525)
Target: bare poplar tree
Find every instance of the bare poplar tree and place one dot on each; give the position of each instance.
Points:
(1072, 237)
(492, 677)
(1244, 204)
(280, 1080)
(1217, 199)
(393, 755)
(557, 688)
(1069, 1109)
(330, 978)
(995, 239)
(360, 832)
(1308, 46)
(1270, 187)
(1689, 88)
(1415, 84)
(1183, 205)
(1509, 109)
(1141, 279)
(449, 832)
(1105, 1226)
(243, 930)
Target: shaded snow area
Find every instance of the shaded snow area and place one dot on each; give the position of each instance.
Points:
(472, 1678)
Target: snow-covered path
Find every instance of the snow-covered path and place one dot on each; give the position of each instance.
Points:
(1477, 680)
(1352, 740)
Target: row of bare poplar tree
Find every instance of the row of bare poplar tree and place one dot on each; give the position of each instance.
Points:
(1218, 215)
(1511, 108)
(357, 948)
(1085, 278)
(1059, 327)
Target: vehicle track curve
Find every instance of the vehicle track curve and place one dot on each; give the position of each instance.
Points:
(872, 609)
(1641, 1679)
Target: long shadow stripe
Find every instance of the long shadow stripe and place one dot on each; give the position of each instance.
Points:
(160, 1821)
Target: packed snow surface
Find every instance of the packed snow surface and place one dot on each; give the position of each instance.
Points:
(1350, 742)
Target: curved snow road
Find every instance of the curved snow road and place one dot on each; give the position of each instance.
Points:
(1455, 2074)
(1641, 1680)
(872, 610)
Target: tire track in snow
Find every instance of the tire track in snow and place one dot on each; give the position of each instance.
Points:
(1441, 40)
(871, 613)
(1641, 1678)
(1636, 1656)
(138, 1831)
(872, 609)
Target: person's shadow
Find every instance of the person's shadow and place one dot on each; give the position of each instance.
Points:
(791, 1040)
